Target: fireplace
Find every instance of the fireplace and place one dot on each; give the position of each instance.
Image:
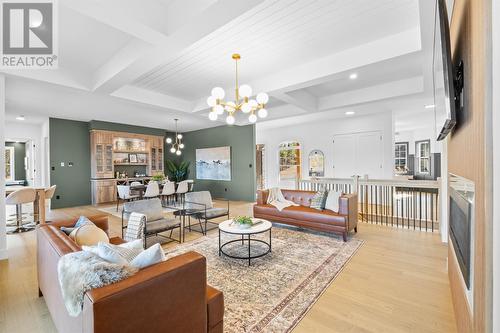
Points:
(462, 225)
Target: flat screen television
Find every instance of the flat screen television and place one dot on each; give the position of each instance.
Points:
(444, 74)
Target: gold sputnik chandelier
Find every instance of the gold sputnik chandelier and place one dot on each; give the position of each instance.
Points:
(252, 107)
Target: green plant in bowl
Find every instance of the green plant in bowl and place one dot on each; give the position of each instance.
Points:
(158, 178)
(243, 222)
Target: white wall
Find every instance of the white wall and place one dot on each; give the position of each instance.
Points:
(3, 229)
(419, 134)
(33, 132)
(319, 135)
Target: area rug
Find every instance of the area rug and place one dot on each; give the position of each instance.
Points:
(277, 290)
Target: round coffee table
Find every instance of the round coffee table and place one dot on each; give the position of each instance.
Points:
(229, 228)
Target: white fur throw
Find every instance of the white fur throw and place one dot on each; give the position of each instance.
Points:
(82, 271)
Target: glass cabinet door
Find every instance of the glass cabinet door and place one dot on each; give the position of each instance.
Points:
(109, 158)
(99, 158)
(160, 159)
(153, 158)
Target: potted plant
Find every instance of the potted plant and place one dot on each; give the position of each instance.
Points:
(178, 172)
(243, 222)
(158, 178)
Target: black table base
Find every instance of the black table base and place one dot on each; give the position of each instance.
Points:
(249, 240)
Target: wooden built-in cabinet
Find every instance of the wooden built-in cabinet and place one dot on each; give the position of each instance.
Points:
(109, 149)
(103, 191)
(156, 165)
(101, 154)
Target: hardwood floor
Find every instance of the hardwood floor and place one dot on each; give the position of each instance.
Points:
(397, 282)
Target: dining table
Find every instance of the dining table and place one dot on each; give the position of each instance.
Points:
(38, 204)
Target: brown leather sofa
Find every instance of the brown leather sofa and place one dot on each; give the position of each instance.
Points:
(304, 216)
(172, 296)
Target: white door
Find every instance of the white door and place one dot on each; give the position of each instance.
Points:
(344, 156)
(369, 155)
(358, 154)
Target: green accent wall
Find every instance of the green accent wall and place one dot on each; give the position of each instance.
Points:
(241, 139)
(19, 154)
(70, 142)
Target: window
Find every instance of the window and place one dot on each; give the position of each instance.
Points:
(289, 155)
(316, 163)
(401, 157)
(423, 152)
(9, 163)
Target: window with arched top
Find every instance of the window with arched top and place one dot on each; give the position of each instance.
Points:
(290, 161)
(316, 163)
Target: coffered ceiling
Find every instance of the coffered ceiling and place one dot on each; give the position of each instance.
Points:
(151, 61)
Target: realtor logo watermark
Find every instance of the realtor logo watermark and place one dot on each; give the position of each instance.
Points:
(29, 34)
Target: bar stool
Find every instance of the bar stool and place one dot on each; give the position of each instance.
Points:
(18, 198)
(49, 194)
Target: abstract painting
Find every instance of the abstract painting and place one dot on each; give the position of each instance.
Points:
(213, 163)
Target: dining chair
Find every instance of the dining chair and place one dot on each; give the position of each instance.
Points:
(190, 184)
(18, 198)
(182, 189)
(152, 190)
(123, 193)
(132, 184)
(167, 191)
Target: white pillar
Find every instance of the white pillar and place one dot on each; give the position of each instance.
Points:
(3, 235)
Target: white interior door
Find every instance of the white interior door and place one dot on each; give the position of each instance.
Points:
(369, 155)
(358, 154)
(344, 156)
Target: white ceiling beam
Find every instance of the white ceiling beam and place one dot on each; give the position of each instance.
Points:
(145, 96)
(61, 77)
(107, 14)
(324, 69)
(193, 30)
(300, 98)
(121, 59)
(388, 90)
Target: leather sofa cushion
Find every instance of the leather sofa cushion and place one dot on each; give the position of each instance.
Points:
(303, 213)
(215, 307)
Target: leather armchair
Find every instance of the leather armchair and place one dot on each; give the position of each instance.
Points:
(169, 296)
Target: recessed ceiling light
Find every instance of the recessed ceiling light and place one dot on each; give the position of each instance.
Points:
(349, 113)
(353, 76)
(20, 118)
(430, 106)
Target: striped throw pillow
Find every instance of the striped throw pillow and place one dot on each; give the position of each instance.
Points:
(318, 200)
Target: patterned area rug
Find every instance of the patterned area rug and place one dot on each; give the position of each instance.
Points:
(277, 290)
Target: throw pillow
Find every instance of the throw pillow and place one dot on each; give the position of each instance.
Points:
(89, 234)
(148, 257)
(332, 201)
(67, 230)
(116, 254)
(318, 200)
(83, 220)
(135, 244)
